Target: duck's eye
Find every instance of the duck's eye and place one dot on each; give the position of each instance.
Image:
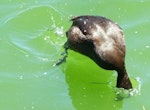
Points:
(84, 32)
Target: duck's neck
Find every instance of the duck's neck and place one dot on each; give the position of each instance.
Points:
(123, 80)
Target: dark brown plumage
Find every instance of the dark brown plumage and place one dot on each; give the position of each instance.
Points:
(101, 40)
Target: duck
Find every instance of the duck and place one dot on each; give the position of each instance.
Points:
(102, 40)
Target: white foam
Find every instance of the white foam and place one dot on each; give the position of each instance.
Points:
(136, 91)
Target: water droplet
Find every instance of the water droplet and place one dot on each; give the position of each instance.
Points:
(84, 95)
(136, 32)
(143, 107)
(21, 77)
(66, 4)
(59, 31)
(26, 55)
(45, 73)
(147, 46)
(46, 37)
(84, 88)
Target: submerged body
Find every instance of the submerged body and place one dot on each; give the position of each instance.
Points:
(102, 40)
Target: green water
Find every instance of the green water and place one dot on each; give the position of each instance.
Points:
(32, 34)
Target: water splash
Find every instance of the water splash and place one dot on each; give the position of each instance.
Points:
(147, 46)
(61, 59)
(56, 29)
(137, 90)
(122, 93)
(59, 31)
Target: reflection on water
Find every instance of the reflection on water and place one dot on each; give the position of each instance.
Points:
(85, 94)
(95, 88)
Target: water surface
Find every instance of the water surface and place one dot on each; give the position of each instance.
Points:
(32, 34)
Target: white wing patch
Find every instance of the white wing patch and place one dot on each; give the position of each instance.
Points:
(98, 32)
(107, 43)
